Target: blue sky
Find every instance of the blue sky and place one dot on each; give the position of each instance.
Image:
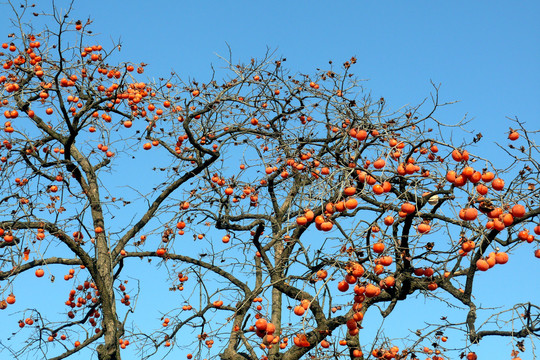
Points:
(485, 54)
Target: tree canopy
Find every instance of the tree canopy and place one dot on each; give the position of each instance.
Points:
(282, 207)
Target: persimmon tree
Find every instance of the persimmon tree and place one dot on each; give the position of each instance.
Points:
(283, 208)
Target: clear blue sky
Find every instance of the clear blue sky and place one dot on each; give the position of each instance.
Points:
(483, 53)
